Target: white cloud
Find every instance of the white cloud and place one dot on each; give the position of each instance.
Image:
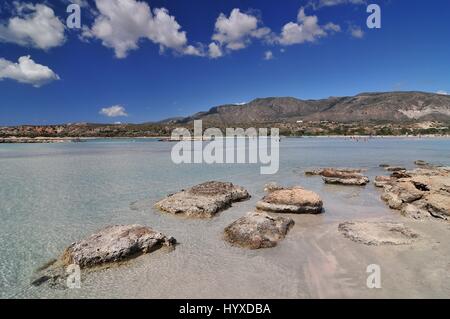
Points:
(121, 24)
(441, 92)
(317, 4)
(27, 71)
(113, 111)
(268, 55)
(35, 26)
(356, 32)
(236, 31)
(306, 29)
(332, 27)
(214, 50)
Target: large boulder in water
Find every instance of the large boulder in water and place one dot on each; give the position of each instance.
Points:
(109, 245)
(257, 230)
(295, 200)
(203, 200)
(113, 244)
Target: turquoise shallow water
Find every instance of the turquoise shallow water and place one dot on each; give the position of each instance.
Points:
(54, 194)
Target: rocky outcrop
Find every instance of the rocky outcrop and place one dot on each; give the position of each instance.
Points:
(295, 200)
(425, 192)
(378, 233)
(204, 200)
(110, 245)
(257, 230)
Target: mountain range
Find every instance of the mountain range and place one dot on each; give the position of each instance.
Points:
(395, 107)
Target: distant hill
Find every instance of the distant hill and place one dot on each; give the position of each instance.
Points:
(395, 107)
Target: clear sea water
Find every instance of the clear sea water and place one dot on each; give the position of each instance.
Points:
(54, 194)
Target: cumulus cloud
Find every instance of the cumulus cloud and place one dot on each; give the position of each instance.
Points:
(113, 111)
(121, 24)
(306, 29)
(441, 92)
(34, 25)
(356, 32)
(235, 32)
(27, 71)
(268, 55)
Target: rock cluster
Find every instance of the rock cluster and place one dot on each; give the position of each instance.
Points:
(257, 230)
(424, 192)
(204, 200)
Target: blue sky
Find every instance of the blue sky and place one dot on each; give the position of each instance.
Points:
(149, 64)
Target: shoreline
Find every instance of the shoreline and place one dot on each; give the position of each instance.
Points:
(52, 140)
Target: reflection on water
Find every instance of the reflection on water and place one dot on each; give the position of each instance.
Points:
(52, 195)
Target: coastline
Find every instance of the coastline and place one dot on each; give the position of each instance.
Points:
(52, 140)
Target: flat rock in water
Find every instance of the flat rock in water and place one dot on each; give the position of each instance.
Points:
(257, 230)
(203, 200)
(295, 200)
(114, 244)
(378, 233)
(110, 245)
(344, 177)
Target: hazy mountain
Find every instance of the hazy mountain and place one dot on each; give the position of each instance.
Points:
(391, 107)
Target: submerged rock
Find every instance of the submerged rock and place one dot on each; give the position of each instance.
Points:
(378, 233)
(295, 200)
(110, 245)
(203, 200)
(257, 230)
